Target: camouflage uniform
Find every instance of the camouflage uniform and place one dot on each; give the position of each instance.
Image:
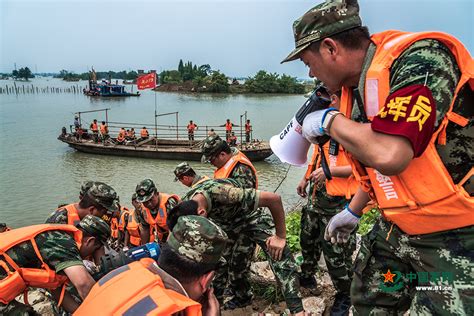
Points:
(103, 194)
(236, 278)
(416, 254)
(387, 247)
(58, 250)
(314, 218)
(145, 191)
(235, 210)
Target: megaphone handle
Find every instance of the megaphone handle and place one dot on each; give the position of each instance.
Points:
(324, 164)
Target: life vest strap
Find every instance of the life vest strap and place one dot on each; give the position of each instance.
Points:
(466, 177)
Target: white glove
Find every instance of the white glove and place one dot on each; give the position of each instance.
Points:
(341, 226)
(313, 124)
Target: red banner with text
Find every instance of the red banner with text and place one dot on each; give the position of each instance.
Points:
(146, 81)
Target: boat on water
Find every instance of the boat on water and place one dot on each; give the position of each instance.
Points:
(105, 88)
(168, 142)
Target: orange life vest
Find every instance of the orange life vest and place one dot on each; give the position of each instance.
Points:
(158, 225)
(203, 178)
(72, 214)
(145, 294)
(191, 127)
(121, 136)
(115, 223)
(144, 133)
(248, 128)
(114, 228)
(104, 130)
(18, 278)
(423, 198)
(121, 222)
(228, 126)
(336, 186)
(94, 127)
(225, 171)
(133, 228)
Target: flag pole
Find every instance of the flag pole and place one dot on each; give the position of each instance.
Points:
(156, 126)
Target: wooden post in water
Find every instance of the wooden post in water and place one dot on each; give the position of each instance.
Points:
(177, 136)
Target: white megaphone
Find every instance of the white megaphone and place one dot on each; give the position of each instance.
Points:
(290, 146)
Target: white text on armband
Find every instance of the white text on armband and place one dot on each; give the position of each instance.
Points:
(387, 185)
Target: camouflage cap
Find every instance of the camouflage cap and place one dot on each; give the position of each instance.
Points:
(324, 20)
(181, 169)
(85, 187)
(145, 190)
(198, 239)
(95, 227)
(211, 146)
(104, 195)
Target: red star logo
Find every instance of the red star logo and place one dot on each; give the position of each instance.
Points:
(388, 276)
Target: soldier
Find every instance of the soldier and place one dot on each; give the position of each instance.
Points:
(185, 174)
(321, 207)
(232, 163)
(156, 206)
(96, 198)
(236, 210)
(404, 96)
(55, 251)
(180, 280)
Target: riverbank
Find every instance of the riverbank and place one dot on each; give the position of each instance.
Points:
(235, 88)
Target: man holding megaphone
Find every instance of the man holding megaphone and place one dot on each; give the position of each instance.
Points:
(330, 189)
(405, 114)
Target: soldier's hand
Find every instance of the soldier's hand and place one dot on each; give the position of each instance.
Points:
(301, 188)
(275, 246)
(318, 177)
(210, 306)
(341, 226)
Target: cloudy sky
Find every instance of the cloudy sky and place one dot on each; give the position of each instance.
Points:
(239, 37)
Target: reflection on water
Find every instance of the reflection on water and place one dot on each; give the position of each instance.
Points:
(38, 172)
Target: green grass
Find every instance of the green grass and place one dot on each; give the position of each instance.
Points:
(368, 220)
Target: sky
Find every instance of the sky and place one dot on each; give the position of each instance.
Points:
(237, 37)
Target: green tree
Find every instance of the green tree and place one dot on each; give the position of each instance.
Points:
(25, 73)
(15, 73)
(181, 67)
(217, 82)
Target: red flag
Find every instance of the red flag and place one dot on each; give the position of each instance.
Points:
(146, 81)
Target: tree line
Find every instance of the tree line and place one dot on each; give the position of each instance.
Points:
(204, 79)
(71, 76)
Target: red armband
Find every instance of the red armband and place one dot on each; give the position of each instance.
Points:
(408, 112)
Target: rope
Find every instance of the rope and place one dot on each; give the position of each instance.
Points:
(286, 174)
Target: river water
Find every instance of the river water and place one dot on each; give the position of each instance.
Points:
(38, 172)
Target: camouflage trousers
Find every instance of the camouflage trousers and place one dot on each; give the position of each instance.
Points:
(233, 279)
(338, 258)
(258, 226)
(431, 274)
(15, 308)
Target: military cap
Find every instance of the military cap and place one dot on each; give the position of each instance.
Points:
(104, 195)
(324, 20)
(181, 169)
(212, 145)
(198, 239)
(85, 187)
(145, 190)
(95, 227)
